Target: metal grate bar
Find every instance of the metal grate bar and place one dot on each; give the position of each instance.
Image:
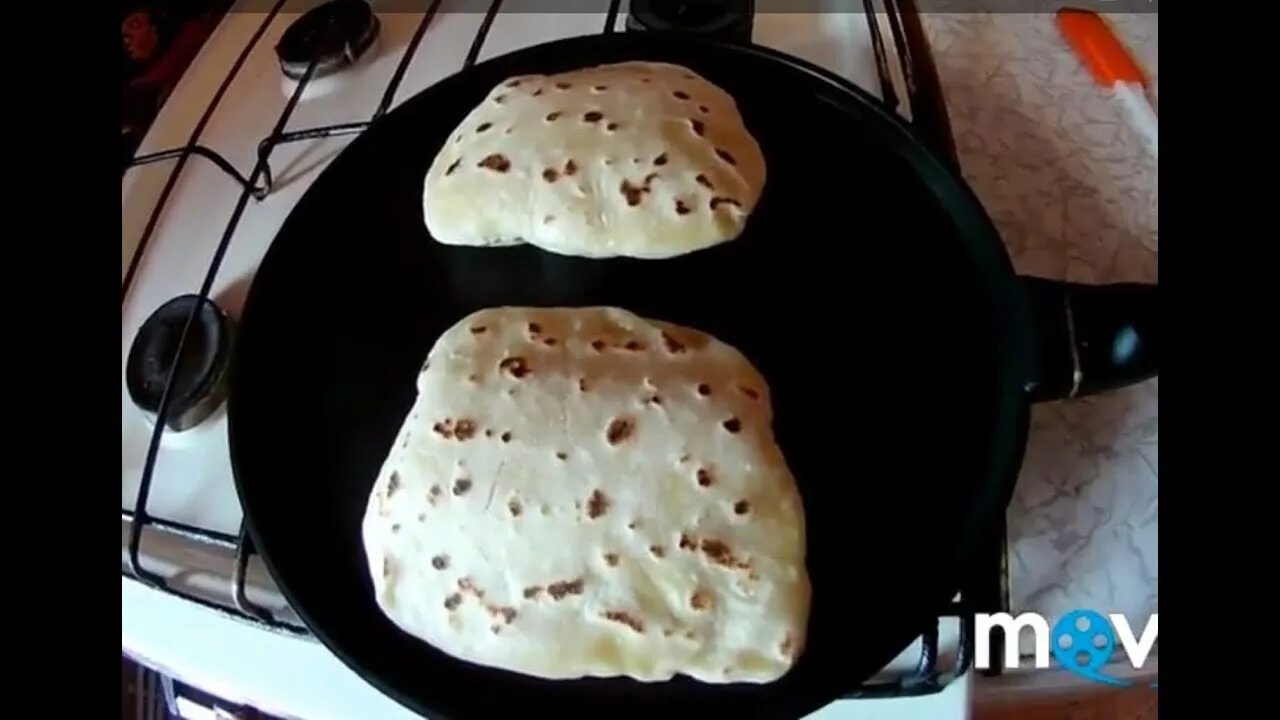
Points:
(166, 396)
(887, 93)
(611, 17)
(474, 53)
(150, 228)
(190, 532)
(389, 96)
(204, 152)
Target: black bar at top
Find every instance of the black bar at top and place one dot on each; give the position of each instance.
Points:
(147, 232)
(474, 52)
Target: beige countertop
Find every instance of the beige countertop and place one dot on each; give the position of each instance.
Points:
(1075, 195)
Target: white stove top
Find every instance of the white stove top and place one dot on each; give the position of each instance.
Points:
(192, 481)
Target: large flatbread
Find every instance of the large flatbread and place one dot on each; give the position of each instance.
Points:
(636, 159)
(583, 492)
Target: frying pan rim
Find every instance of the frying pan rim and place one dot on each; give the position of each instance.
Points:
(952, 192)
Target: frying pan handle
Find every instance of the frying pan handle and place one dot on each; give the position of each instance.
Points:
(1092, 338)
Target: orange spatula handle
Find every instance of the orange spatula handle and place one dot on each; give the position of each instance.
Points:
(1098, 48)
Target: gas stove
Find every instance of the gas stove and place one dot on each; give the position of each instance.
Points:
(274, 95)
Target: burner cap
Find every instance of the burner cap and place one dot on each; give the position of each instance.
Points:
(722, 19)
(199, 383)
(337, 32)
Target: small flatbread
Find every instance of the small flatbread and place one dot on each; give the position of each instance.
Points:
(584, 492)
(637, 159)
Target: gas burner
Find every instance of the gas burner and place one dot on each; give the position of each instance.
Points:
(199, 384)
(728, 20)
(337, 33)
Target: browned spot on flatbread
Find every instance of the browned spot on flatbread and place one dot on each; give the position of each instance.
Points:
(704, 389)
(787, 645)
(453, 601)
(562, 456)
(440, 562)
(742, 507)
(508, 614)
(532, 592)
(496, 162)
(516, 367)
(687, 542)
(725, 156)
(434, 494)
(625, 618)
(658, 551)
(620, 429)
(506, 436)
(550, 174)
(570, 167)
(632, 193)
(582, 384)
(478, 329)
(699, 127)
(461, 486)
(393, 484)
(680, 95)
(514, 506)
(682, 208)
(483, 126)
(733, 425)
(598, 345)
(660, 160)
(673, 345)
(704, 181)
(634, 345)
(454, 166)
(611, 559)
(753, 394)
(467, 585)
(559, 590)
(701, 599)
(597, 504)
(553, 116)
(450, 429)
(718, 552)
(563, 85)
(593, 116)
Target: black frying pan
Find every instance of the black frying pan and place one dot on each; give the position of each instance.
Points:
(870, 288)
